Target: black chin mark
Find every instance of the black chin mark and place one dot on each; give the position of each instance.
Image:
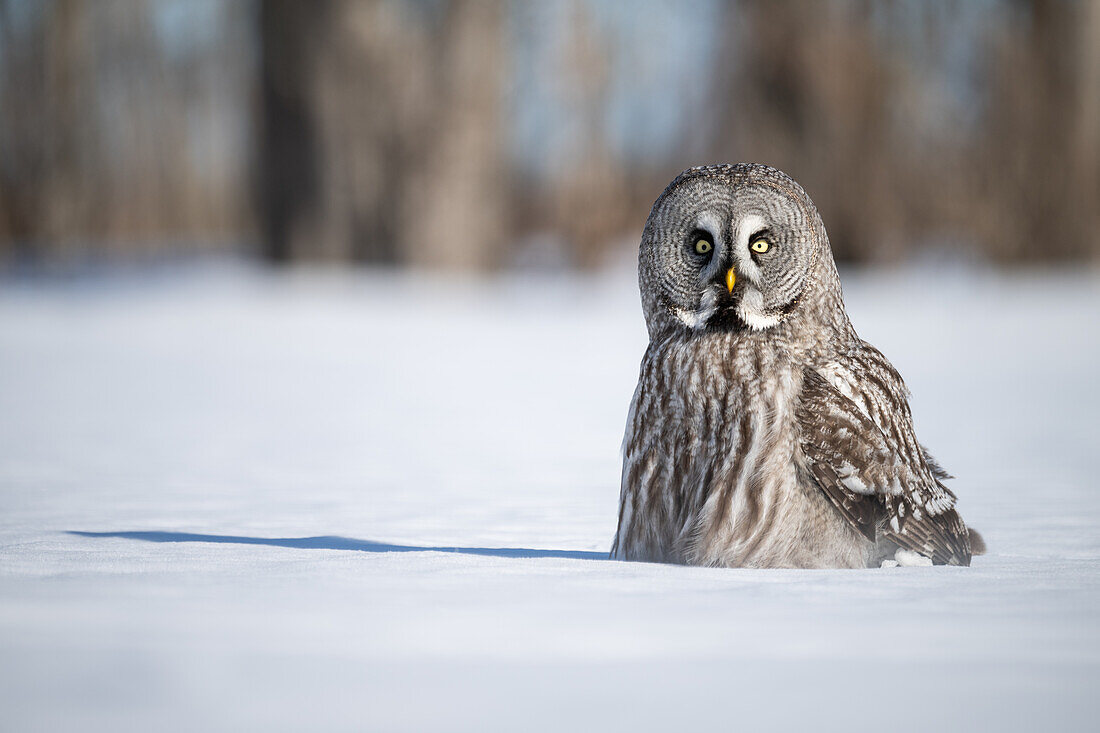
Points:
(726, 320)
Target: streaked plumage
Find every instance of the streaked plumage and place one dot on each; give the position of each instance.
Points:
(764, 432)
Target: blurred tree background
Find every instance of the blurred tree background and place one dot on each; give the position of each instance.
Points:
(488, 134)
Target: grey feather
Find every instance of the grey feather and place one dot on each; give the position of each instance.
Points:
(764, 432)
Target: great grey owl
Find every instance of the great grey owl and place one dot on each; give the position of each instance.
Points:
(764, 432)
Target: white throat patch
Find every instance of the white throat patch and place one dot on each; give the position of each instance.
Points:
(751, 311)
(708, 306)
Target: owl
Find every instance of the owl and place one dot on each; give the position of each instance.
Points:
(764, 432)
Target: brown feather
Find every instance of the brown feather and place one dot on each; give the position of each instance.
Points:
(839, 441)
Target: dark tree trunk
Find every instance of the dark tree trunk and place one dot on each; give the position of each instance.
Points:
(286, 158)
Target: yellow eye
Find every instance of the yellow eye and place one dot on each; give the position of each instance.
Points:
(703, 246)
(760, 246)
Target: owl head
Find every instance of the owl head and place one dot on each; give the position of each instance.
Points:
(731, 246)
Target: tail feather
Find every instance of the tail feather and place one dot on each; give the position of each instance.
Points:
(977, 544)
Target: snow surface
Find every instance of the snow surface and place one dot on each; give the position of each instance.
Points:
(909, 559)
(232, 499)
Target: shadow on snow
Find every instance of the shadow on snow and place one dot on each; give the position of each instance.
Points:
(343, 543)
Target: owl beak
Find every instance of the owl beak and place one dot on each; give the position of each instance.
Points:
(731, 279)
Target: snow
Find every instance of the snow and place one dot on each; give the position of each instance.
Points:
(909, 559)
(233, 499)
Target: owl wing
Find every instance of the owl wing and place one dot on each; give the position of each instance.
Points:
(857, 437)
